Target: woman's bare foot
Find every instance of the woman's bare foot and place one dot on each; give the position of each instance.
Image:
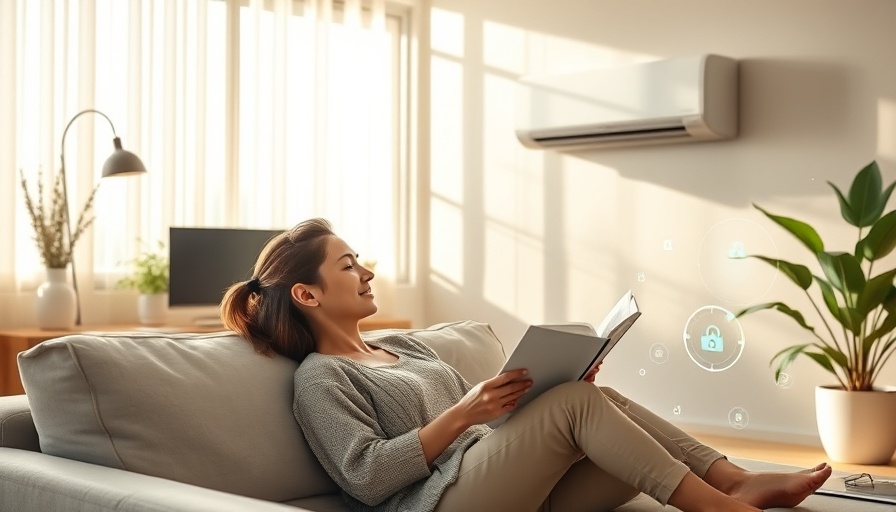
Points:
(767, 490)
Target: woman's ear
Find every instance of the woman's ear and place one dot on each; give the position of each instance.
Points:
(304, 295)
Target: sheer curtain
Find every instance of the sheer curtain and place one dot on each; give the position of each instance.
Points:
(249, 113)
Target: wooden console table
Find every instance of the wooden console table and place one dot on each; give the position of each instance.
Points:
(13, 341)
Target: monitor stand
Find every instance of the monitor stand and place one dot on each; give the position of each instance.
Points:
(208, 321)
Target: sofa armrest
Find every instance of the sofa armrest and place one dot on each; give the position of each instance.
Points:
(36, 482)
(16, 426)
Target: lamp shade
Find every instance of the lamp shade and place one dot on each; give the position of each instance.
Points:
(122, 162)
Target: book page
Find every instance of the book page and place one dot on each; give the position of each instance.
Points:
(626, 307)
(573, 327)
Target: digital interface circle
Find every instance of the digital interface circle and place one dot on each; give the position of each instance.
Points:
(738, 418)
(724, 267)
(713, 338)
(658, 353)
(642, 372)
(785, 380)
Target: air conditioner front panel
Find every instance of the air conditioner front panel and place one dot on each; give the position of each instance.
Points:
(637, 102)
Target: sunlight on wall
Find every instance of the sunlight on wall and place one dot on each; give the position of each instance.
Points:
(447, 150)
(505, 47)
(503, 179)
(513, 278)
(446, 241)
(446, 162)
(447, 32)
(886, 128)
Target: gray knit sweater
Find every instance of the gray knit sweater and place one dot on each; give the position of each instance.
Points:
(362, 423)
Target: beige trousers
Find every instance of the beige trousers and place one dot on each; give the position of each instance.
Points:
(575, 448)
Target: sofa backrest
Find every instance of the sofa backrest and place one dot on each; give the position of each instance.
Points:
(203, 409)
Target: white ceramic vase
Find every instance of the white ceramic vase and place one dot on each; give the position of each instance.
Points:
(56, 301)
(857, 427)
(152, 309)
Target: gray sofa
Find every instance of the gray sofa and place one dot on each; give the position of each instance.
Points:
(191, 422)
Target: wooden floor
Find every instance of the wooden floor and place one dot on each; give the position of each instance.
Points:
(791, 454)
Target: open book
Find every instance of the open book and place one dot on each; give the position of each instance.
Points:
(560, 353)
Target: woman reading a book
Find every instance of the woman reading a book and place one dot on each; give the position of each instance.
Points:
(399, 430)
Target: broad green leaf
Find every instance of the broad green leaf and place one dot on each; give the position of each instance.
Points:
(783, 308)
(835, 356)
(822, 360)
(884, 329)
(845, 209)
(830, 300)
(799, 274)
(844, 273)
(881, 240)
(865, 195)
(876, 291)
(785, 358)
(802, 231)
(851, 318)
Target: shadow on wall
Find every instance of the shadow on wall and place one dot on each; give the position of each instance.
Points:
(788, 109)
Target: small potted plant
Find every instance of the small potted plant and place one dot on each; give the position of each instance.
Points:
(149, 277)
(856, 307)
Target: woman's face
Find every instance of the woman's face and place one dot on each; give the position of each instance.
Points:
(345, 291)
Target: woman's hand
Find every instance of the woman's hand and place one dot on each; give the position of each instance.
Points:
(589, 377)
(485, 402)
(494, 397)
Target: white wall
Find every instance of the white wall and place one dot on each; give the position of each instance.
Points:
(517, 236)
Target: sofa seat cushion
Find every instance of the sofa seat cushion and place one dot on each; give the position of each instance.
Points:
(203, 409)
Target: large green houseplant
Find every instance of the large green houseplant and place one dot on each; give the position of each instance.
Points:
(855, 302)
(858, 336)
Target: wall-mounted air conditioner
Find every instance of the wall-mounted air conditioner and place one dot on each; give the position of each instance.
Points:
(674, 100)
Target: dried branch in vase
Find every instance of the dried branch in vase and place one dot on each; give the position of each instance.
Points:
(49, 222)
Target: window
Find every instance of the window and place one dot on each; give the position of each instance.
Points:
(246, 113)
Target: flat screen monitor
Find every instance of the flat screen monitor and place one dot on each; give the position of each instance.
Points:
(206, 261)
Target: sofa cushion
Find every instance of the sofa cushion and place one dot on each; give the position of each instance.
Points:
(203, 409)
(470, 347)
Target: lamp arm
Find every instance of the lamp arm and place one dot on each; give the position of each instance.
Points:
(68, 220)
(79, 114)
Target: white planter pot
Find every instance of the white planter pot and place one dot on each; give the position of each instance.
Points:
(857, 427)
(56, 301)
(152, 309)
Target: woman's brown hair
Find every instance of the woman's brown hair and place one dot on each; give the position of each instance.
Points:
(261, 309)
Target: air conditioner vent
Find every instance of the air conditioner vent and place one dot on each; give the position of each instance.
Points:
(605, 137)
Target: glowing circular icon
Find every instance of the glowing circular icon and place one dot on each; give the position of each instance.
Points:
(738, 418)
(713, 338)
(785, 380)
(724, 267)
(659, 354)
(642, 372)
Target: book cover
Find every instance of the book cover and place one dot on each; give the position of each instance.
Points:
(558, 353)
